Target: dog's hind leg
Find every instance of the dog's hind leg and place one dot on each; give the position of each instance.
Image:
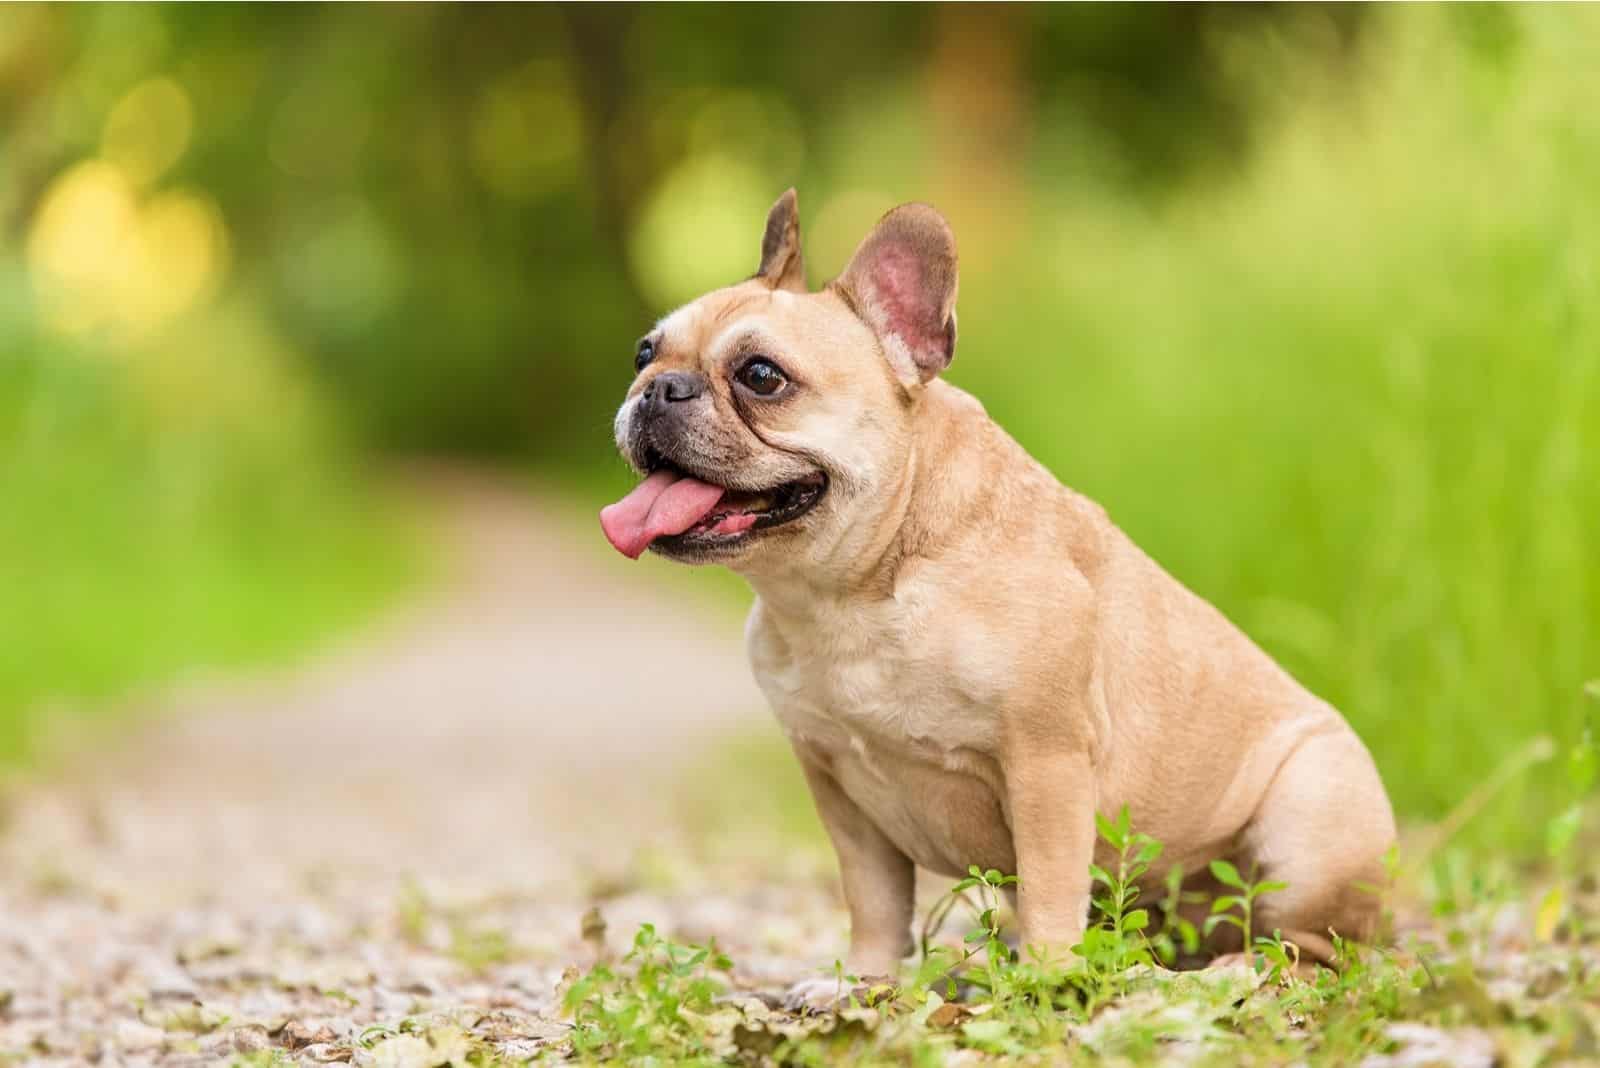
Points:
(1323, 827)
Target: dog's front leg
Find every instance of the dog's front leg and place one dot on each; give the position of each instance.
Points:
(879, 880)
(1052, 803)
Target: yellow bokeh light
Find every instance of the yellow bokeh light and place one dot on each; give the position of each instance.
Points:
(148, 130)
(80, 245)
(98, 256)
(182, 245)
(701, 228)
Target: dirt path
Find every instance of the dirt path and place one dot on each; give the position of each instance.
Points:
(408, 828)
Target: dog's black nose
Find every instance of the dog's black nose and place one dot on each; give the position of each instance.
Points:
(670, 386)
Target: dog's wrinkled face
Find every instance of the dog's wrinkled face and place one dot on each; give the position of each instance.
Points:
(769, 421)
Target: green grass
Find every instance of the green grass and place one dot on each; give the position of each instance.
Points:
(169, 508)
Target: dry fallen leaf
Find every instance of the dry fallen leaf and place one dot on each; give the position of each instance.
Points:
(297, 1035)
(949, 1015)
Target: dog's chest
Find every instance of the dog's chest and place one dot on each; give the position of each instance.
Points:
(876, 675)
(907, 731)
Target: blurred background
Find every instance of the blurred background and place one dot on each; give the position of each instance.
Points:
(1305, 296)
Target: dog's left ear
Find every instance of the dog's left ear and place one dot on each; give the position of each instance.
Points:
(782, 266)
(902, 283)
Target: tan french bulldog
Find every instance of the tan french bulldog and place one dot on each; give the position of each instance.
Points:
(968, 658)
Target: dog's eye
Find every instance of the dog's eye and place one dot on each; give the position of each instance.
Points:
(646, 353)
(761, 377)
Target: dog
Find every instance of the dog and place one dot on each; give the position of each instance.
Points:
(969, 659)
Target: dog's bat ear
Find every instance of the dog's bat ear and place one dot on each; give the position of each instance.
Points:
(902, 283)
(782, 266)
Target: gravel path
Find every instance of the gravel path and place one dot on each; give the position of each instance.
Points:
(408, 829)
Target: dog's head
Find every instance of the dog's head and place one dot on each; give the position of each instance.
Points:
(773, 424)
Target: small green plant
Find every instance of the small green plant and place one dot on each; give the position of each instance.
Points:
(1117, 941)
(1561, 832)
(938, 965)
(1245, 901)
(1177, 935)
(1582, 772)
(1024, 993)
(652, 1006)
(1280, 957)
(985, 936)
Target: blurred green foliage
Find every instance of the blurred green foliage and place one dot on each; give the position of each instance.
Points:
(164, 512)
(1304, 295)
(174, 493)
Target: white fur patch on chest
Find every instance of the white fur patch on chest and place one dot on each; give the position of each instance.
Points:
(858, 679)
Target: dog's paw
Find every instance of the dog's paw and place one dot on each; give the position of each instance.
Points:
(1235, 968)
(817, 994)
(1253, 968)
(830, 993)
(1231, 962)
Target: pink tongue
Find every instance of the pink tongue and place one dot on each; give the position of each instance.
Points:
(664, 503)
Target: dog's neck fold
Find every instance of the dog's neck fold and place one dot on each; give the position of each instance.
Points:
(921, 511)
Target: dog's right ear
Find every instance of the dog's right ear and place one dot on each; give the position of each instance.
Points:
(781, 264)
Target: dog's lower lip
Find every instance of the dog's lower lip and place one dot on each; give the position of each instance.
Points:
(772, 508)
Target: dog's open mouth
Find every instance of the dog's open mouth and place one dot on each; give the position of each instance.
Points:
(677, 510)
